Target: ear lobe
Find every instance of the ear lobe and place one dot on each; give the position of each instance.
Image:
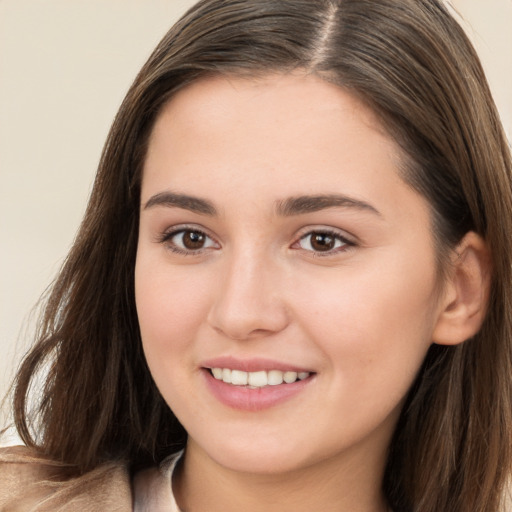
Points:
(466, 292)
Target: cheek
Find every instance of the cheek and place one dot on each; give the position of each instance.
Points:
(170, 307)
(374, 322)
(374, 331)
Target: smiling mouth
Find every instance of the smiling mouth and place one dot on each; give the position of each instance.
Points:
(259, 379)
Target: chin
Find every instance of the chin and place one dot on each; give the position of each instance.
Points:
(258, 462)
(264, 457)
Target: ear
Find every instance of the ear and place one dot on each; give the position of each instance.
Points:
(466, 292)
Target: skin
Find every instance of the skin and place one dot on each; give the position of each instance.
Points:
(361, 316)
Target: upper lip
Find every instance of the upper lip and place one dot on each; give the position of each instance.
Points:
(252, 365)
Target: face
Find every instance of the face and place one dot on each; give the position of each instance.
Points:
(285, 275)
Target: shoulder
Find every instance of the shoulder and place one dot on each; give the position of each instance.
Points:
(29, 481)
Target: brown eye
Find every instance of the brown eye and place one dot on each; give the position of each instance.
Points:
(322, 242)
(319, 241)
(193, 239)
(189, 240)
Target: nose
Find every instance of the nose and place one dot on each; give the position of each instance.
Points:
(249, 302)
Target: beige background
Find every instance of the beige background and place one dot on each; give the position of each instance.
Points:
(64, 68)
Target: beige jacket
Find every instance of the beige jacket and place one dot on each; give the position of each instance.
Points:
(30, 483)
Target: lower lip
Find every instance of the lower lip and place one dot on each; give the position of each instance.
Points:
(247, 399)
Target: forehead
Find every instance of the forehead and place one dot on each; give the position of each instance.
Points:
(276, 99)
(297, 124)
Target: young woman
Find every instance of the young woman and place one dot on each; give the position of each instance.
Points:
(292, 286)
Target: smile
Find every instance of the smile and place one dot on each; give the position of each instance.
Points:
(255, 384)
(257, 379)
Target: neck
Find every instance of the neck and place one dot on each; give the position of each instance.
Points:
(341, 484)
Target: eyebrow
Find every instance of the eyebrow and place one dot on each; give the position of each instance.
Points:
(172, 199)
(307, 204)
(285, 208)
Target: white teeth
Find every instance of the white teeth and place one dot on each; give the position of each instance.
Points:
(290, 377)
(217, 373)
(226, 375)
(257, 379)
(238, 378)
(275, 377)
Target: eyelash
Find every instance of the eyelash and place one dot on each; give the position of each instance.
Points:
(166, 239)
(337, 237)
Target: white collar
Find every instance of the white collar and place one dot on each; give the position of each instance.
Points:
(152, 487)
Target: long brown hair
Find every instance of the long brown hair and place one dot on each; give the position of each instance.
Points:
(409, 61)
